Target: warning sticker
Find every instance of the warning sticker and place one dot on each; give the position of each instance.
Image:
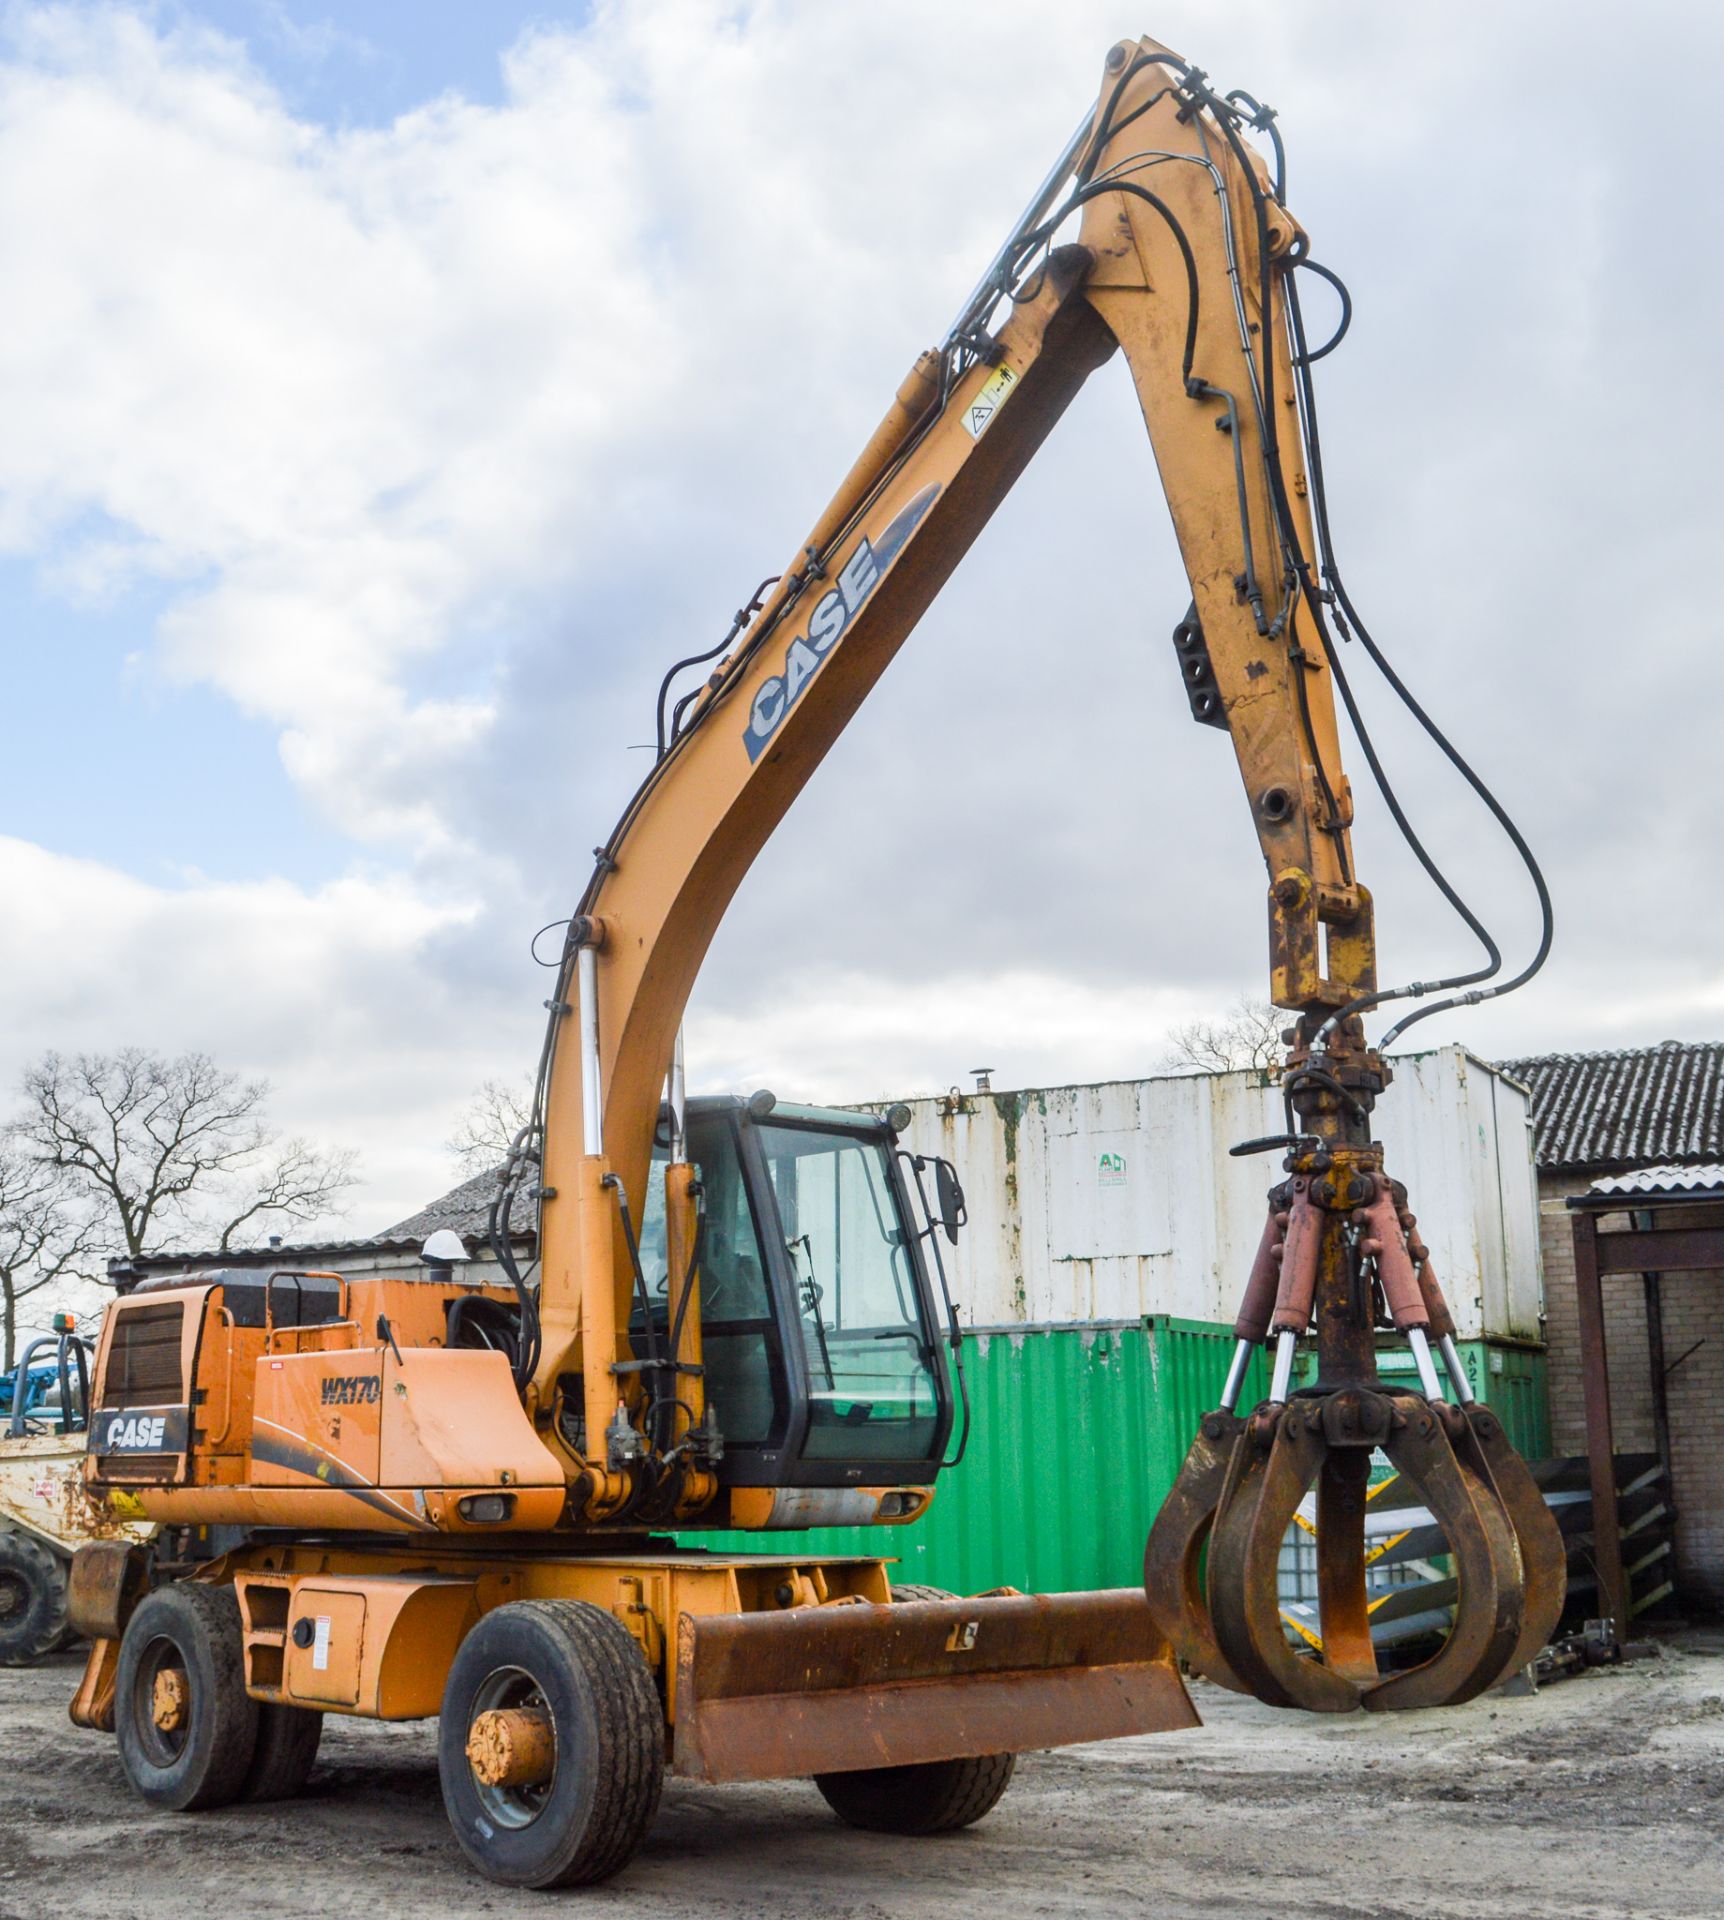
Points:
(980, 412)
(320, 1643)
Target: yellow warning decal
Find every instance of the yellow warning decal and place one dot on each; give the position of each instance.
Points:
(979, 412)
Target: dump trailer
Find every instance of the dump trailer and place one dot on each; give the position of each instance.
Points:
(46, 1510)
(422, 1493)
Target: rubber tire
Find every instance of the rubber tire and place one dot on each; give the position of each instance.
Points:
(38, 1628)
(608, 1720)
(939, 1796)
(286, 1750)
(202, 1623)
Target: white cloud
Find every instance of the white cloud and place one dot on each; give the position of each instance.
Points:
(440, 435)
(854, 1036)
(329, 992)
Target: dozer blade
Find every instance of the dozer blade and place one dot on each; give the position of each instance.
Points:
(769, 1696)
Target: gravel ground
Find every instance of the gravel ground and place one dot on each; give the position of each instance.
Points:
(1600, 1796)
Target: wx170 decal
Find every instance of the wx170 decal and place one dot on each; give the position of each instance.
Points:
(832, 615)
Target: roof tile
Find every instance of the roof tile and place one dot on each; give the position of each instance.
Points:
(1662, 1104)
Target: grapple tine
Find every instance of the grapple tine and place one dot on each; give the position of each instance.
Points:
(1342, 1607)
(1244, 1556)
(1171, 1577)
(1488, 1607)
(1543, 1558)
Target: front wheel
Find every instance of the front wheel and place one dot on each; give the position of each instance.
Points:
(551, 1745)
(937, 1796)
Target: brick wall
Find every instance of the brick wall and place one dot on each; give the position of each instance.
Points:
(1696, 1392)
(1696, 1388)
(1625, 1330)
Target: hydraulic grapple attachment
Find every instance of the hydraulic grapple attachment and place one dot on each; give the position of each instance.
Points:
(1340, 1247)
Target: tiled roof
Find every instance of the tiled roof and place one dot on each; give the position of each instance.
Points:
(1661, 1105)
(1655, 1180)
(464, 1208)
(300, 1255)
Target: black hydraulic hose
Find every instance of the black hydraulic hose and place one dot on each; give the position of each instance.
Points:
(739, 621)
(1307, 355)
(1263, 118)
(1302, 564)
(1332, 577)
(1093, 190)
(1105, 128)
(1115, 128)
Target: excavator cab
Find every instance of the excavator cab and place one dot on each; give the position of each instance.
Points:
(821, 1310)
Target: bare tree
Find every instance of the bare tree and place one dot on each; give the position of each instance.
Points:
(489, 1123)
(170, 1149)
(44, 1240)
(1247, 1035)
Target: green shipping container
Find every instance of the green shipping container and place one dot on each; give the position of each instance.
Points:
(1078, 1433)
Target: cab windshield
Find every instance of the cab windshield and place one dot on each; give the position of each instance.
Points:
(868, 1355)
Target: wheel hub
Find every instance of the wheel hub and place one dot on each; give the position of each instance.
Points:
(512, 1747)
(170, 1697)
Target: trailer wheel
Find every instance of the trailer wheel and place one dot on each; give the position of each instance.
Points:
(550, 1745)
(938, 1796)
(187, 1728)
(281, 1762)
(32, 1601)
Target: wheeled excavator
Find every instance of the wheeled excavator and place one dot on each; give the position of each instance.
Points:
(426, 1494)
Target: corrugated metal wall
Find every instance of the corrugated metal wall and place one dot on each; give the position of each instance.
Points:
(1109, 1202)
(1078, 1434)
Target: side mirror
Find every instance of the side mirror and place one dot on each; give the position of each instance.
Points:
(950, 1197)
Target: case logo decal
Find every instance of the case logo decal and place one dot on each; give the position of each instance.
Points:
(831, 618)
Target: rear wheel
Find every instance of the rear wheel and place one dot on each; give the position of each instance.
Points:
(551, 1745)
(281, 1762)
(186, 1726)
(32, 1601)
(938, 1796)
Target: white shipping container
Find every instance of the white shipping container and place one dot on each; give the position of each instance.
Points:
(1107, 1202)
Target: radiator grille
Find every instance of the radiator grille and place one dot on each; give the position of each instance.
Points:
(144, 1356)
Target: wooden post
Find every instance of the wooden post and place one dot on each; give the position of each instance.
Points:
(1600, 1443)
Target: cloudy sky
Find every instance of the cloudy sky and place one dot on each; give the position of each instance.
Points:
(388, 392)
